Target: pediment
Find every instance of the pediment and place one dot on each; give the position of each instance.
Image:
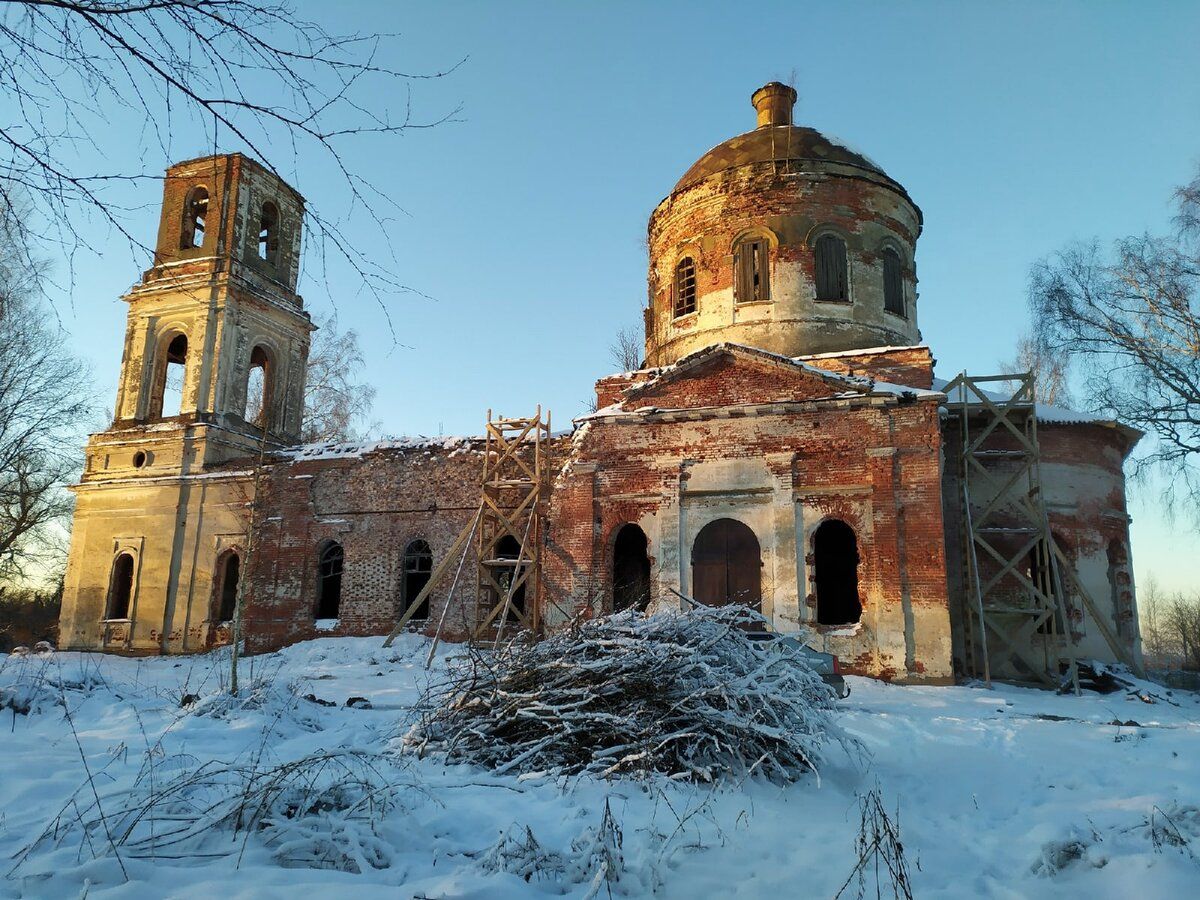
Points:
(732, 375)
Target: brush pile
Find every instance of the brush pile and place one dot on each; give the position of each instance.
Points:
(688, 695)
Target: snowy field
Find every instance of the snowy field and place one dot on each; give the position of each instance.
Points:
(1001, 793)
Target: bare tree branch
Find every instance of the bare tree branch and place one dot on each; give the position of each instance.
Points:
(251, 75)
(1130, 320)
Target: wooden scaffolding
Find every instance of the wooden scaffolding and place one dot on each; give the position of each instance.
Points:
(512, 524)
(1007, 541)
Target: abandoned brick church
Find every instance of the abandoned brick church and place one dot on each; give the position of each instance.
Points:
(785, 443)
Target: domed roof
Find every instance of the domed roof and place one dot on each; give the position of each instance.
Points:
(775, 143)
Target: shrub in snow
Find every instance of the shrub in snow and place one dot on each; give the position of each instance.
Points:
(687, 695)
(318, 811)
(280, 705)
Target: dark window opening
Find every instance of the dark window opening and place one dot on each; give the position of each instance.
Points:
(1121, 587)
(1041, 572)
(835, 571)
(893, 282)
(508, 547)
(418, 565)
(139, 459)
(167, 400)
(726, 565)
(268, 234)
(258, 389)
(329, 581)
(120, 588)
(195, 213)
(631, 570)
(751, 271)
(830, 263)
(228, 573)
(684, 288)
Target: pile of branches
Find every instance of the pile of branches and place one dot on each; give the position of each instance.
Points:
(688, 695)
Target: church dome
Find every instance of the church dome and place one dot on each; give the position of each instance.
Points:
(784, 239)
(782, 144)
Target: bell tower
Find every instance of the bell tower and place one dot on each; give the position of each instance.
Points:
(212, 372)
(217, 338)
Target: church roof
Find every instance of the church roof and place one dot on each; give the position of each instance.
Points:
(777, 143)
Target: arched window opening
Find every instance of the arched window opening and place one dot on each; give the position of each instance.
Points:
(268, 233)
(418, 565)
(751, 271)
(830, 266)
(258, 388)
(1121, 587)
(120, 588)
(727, 565)
(195, 214)
(169, 379)
(329, 580)
(631, 569)
(683, 289)
(508, 547)
(835, 571)
(893, 282)
(228, 572)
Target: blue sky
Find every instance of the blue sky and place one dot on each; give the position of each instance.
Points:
(1017, 128)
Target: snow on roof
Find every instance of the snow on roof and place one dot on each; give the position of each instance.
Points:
(1046, 413)
(858, 385)
(358, 449)
(867, 351)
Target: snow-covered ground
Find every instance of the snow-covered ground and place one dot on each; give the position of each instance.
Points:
(1000, 793)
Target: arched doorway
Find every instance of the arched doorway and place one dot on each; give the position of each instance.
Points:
(631, 569)
(508, 547)
(228, 573)
(120, 588)
(727, 565)
(835, 571)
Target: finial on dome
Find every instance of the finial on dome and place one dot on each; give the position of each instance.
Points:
(773, 102)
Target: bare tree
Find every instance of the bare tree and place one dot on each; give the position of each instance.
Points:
(337, 406)
(1050, 370)
(626, 349)
(1129, 319)
(252, 75)
(1181, 620)
(45, 398)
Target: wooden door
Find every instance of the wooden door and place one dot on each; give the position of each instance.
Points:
(727, 565)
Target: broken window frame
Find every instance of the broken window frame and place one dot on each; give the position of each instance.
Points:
(831, 269)
(418, 561)
(683, 288)
(752, 270)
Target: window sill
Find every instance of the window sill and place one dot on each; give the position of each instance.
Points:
(845, 301)
(895, 315)
(741, 303)
(685, 319)
(116, 621)
(326, 624)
